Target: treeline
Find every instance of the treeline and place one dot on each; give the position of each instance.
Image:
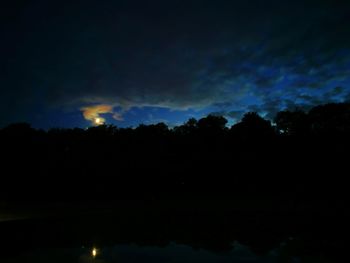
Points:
(253, 156)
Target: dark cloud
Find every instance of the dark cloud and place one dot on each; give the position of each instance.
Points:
(218, 113)
(347, 97)
(335, 92)
(235, 114)
(177, 55)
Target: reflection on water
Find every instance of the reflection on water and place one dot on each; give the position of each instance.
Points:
(178, 236)
(133, 254)
(94, 252)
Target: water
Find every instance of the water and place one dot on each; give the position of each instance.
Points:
(152, 235)
(133, 253)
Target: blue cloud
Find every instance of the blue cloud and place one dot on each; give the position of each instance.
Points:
(181, 56)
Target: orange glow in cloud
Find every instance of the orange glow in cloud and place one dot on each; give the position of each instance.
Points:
(92, 113)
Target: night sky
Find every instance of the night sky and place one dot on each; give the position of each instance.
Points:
(62, 64)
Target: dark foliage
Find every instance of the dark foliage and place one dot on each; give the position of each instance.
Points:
(253, 158)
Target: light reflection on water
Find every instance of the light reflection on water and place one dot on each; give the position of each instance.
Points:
(174, 253)
(94, 252)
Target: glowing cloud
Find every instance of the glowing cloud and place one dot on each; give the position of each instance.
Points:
(92, 113)
(118, 116)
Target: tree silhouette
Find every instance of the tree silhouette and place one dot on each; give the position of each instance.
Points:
(252, 126)
(190, 127)
(157, 158)
(102, 130)
(330, 118)
(292, 122)
(212, 126)
(18, 129)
